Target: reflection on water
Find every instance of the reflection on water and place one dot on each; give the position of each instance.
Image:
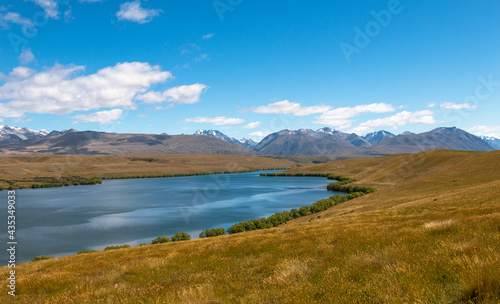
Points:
(62, 221)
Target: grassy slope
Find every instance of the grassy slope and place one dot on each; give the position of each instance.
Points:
(431, 234)
(22, 170)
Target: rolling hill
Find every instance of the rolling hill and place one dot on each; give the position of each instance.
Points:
(430, 234)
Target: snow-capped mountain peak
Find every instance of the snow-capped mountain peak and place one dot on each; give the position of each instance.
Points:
(12, 134)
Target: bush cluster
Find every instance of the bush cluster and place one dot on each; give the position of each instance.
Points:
(67, 181)
(42, 257)
(182, 236)
(86, 251)
(212, 232)
(117, 247)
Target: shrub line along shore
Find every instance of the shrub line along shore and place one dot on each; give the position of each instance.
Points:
(280, 218)
(77, 180)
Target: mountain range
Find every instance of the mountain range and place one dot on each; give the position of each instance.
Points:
(492, 141)
(247, 142)
(324, 142)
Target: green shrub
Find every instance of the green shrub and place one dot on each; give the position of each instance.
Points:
(236, 228)
(304, 210)
(182, 236)
(248, 225)
(212, 232)
(42, 257)
(160, 240)
(117, 247)
(86, 251)
(294, 213)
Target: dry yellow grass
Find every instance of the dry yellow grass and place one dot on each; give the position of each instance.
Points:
(22, 171)
(431, 234)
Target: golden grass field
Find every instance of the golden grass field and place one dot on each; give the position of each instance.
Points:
(430, 234)
(23, 171)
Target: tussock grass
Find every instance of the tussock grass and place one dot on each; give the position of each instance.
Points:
(430, 234)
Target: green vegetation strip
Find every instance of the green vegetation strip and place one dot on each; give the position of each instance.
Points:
(282, 217)
(188, 174)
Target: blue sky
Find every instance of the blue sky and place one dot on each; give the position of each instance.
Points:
(250, 68)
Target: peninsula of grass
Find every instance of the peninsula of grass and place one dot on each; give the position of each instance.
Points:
(429, 234)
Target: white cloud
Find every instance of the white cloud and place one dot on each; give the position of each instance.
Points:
(252, 125)
(143, 115)
(455, 106)
(260, 134)
(14, 18)
(341, 116)
(132, 11)
(397, 120)
(202, 57)
(50, 7)
(493, 131)
(208, 36)
(186, 94)
(59, 89)
(287, 107)
(102, 117)
(26, 56)
(68, 15)
(431, 105)
(217, 121)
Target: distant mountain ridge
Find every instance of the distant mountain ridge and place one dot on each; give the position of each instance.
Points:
(439, 138)
(492, 141)
(10, 134)
(100, 143)
(322, 142)
(246, 142)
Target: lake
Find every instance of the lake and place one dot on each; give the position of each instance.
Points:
(63, 221)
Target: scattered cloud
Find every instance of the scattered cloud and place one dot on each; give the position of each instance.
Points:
(26, 56)
(68, 15)
(143, 115)
(341, 116)
(208, 36)
(61, 89)
(14, 18)
(400, 119)
(287, 107)
(102, 117)
(431, 105)
(260, 134)
(202, 57)
(186, 94)
(132, 11)
(493, 131)
(50, 8)
(188, 48)
(252, 125)
(455, 106)
(91, 1)
(217, 121)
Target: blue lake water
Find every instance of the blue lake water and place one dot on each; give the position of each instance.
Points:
(63, 221)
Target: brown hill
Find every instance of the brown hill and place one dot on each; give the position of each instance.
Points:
(98, 143)
(429, 235)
